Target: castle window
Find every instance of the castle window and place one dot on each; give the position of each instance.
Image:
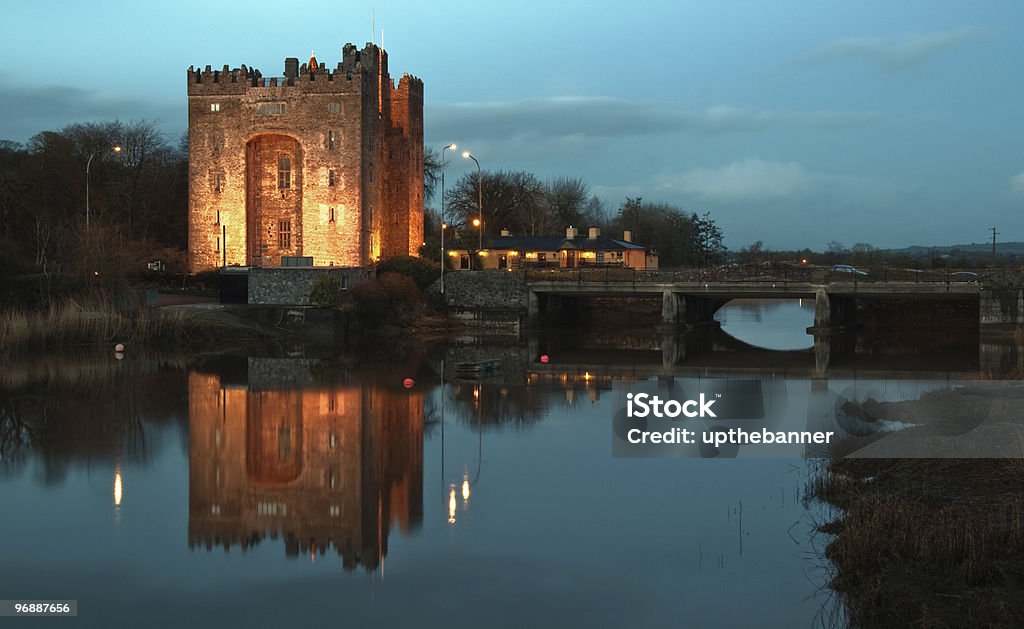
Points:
(284, 172)
(334, 108)
(332, 214)
(371, 173)
(330, 178)
(270, 109)
(218, 218)
(218, 182)
(330, 140)
(214, 106)
(217, 247)
(284, 234)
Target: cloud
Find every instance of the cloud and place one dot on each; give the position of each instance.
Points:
(1017, 183)
(30, 109)
(750, 178)
(893, 53)
(601, 117)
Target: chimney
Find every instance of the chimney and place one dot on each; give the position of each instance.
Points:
(594, 233)
(627, 236)
(571, 232)
(505, 232)
(291, 67)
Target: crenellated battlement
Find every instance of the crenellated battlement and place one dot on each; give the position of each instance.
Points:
(354, 62)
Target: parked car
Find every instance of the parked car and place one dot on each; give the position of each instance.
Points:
(964, 276)
(846, 268)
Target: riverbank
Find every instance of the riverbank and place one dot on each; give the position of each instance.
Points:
(935, 542)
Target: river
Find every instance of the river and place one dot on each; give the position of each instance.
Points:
(299, 486)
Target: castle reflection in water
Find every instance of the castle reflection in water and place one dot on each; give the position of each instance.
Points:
(326, 465)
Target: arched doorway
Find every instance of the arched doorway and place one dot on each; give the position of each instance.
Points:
(273, 199)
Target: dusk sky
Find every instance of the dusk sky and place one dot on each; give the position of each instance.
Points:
(795, 123)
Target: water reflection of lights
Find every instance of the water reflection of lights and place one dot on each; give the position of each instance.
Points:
(117, 487)
(465, 486)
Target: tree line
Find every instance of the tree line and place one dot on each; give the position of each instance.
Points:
(522, 203)
(137, 201)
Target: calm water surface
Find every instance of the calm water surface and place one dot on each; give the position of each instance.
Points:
(277, 489)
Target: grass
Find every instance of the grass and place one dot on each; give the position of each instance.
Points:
(94, 321)
(932, 543)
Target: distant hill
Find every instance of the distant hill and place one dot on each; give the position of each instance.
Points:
(1004, 248)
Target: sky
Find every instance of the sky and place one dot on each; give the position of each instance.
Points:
(795, 123)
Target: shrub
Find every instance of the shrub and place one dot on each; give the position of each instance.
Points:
(388, 299)
(326, 291)
(422, 272)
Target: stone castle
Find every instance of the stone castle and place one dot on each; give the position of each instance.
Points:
(319, 163)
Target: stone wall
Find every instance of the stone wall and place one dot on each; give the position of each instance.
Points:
(291, 286)
(485, 290)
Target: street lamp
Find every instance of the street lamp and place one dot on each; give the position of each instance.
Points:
(479, 221)
(443, 225)
(117, 149)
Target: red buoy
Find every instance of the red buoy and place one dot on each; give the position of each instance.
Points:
(408, 382)
(544, 358)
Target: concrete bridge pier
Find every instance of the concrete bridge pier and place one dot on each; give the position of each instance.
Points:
(832, 313)
(532, 306)
(688, 310)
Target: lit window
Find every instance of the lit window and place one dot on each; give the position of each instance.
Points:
(284, 172)
(270, 109)
(334, 108)
(330, 178)
(330, 139)
(214, 106)
(284, 234)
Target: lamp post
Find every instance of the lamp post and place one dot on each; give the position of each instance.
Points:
(480, 200)
(117, 149)
(443, 225)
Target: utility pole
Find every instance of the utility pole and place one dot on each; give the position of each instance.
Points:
(994, 234)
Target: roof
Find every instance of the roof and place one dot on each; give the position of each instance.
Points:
(557, 243)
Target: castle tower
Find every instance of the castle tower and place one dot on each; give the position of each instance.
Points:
(320, 163)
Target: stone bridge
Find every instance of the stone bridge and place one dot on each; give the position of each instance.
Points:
(691, 297)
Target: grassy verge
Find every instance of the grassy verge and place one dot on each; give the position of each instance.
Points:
(74, 323)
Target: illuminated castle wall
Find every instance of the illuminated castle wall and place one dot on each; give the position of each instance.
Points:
(321, 467)
(321, 163)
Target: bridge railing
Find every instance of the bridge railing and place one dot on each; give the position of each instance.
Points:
(761, 274)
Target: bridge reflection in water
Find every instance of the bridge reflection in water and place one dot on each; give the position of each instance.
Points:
(321, 466)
